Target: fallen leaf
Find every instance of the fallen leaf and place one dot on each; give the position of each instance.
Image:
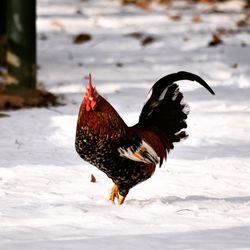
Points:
(242, 23)
(125, 2)
(175, 17)
(93, 179)
(82, 38)
(216, 40)
(147, 40)
(57, 24)
(143, 4)
(196, 19)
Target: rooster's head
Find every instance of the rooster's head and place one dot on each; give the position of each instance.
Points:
(90, 97)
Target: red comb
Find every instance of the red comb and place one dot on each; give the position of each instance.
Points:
(90, 88)
(90, 81)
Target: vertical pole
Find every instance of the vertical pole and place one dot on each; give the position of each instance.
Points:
(3, 35)
(21, 52)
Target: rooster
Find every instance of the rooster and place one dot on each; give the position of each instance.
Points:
(129, 155)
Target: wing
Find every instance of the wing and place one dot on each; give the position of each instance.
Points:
(142, 152)
(144, 146)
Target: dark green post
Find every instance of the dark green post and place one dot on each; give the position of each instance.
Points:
(21, 52)
(3, 35)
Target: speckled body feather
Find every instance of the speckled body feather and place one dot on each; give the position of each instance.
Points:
(99, 135)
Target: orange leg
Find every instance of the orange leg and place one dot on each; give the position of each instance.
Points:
(115, 194)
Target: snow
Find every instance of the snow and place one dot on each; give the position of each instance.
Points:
(198, 199)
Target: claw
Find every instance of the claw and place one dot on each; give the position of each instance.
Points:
(121, 199)
(115, 194)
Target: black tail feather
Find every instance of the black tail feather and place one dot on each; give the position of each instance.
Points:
(164, 112)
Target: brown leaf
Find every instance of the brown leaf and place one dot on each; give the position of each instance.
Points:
(57, 24)
(143, 4)
(125, 2)
(82, 38)
(216, 40)
(196, 19)
(93, 179)
(242, 23)
(147, 40)
(175, 17)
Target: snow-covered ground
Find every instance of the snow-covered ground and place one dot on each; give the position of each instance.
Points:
(199, 199)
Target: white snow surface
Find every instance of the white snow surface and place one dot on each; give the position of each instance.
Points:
(198, 199)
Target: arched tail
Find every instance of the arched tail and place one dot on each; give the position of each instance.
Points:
(165, 112)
